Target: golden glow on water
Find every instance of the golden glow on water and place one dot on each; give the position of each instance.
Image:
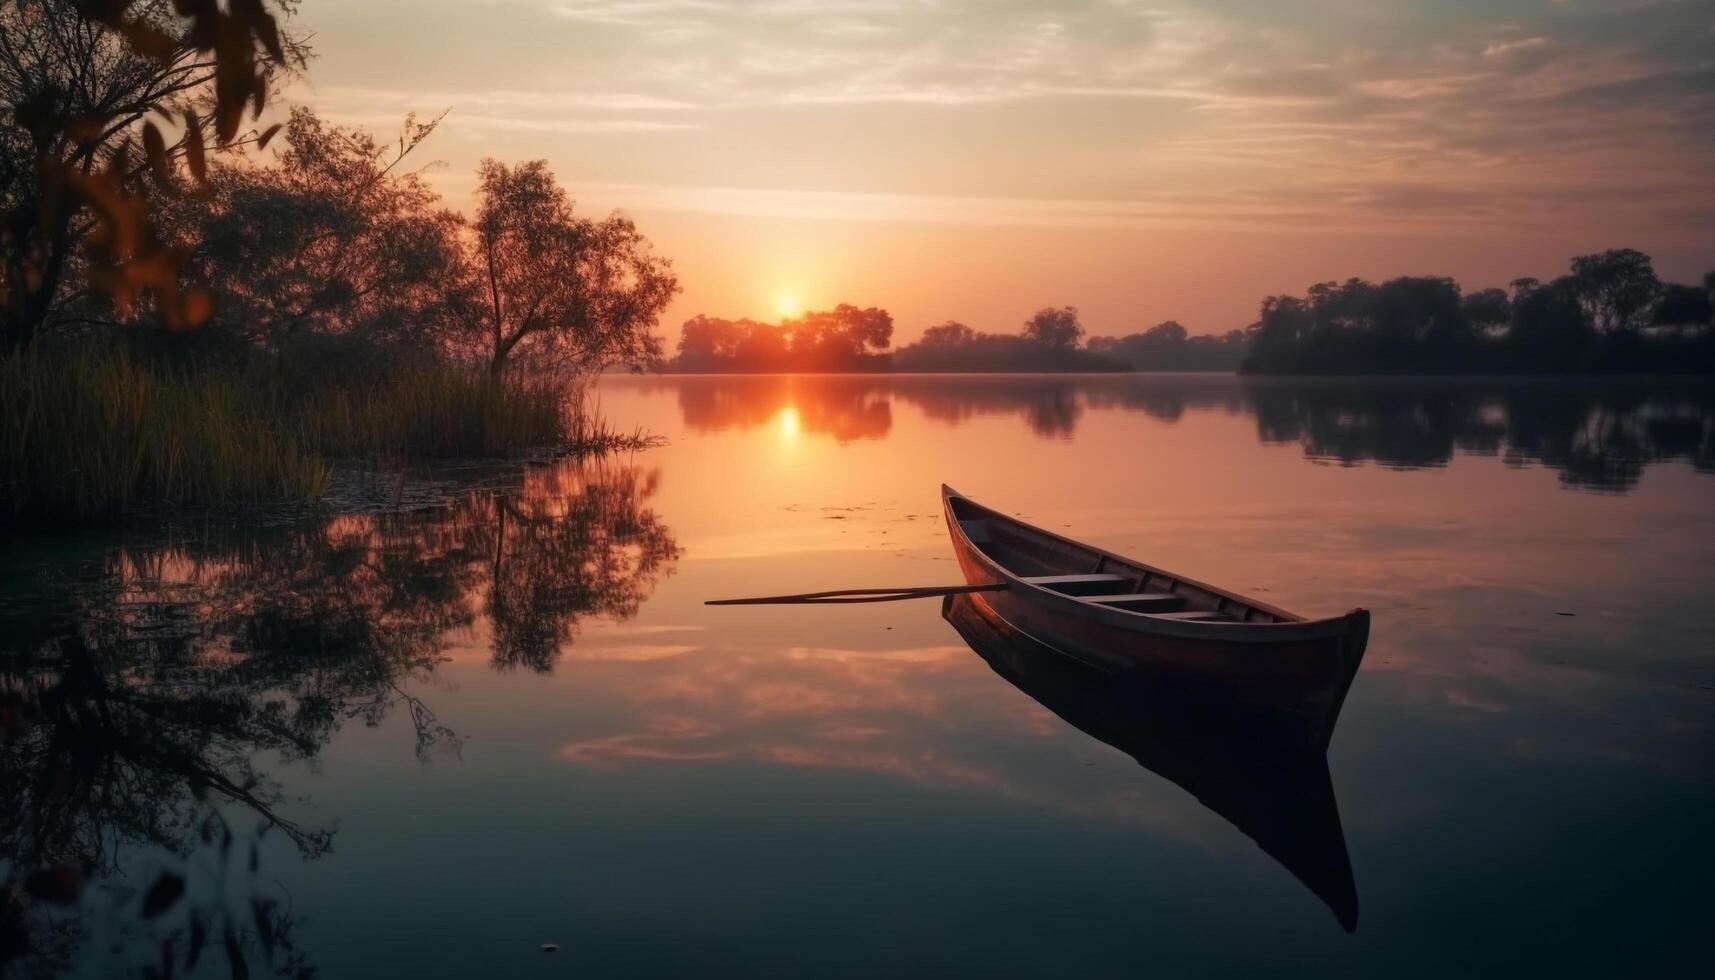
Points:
(531, 681)
(790, 425)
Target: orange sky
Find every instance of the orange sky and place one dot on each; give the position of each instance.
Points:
(1140, 160)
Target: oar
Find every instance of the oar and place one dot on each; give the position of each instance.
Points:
(839, 596)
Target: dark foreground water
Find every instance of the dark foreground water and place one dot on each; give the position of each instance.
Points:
(424, 745)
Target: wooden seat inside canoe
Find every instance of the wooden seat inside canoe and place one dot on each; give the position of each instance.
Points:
(1083, 585)
(1150, 602)
(1197, 616)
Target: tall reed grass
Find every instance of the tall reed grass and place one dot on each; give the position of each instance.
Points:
(90, 434)
(435, 411)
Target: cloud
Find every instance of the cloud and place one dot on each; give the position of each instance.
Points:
(1502, 49)
(506, 110)
(1152, 112)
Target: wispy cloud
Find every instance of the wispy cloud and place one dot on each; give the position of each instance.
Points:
(1175, 112)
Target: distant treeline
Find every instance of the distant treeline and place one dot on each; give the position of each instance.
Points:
(848, 338)
(1610, 314)
(1168, 347)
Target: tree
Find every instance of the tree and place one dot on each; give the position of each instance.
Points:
(1054, 328)
(77, 80)
(949, 334)
(1550, 328)
(706, 340)
(1616, 288)
(1283, 325)
(1487, 309)
(334, 239)
(842, 334)
(562, 291)
(1684, 306)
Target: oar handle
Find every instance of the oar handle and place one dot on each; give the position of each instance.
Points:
(845, 596)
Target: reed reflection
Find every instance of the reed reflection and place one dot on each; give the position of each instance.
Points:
(1267, 777)
(1599, 435)
(142, 688)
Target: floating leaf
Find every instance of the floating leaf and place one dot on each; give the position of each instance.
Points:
(166, 890)
(150, 42)
(194, 153)
(235, 956)
(262, 911)
(267, 136)
(60, 885)
(198, 938)
(269, 33)
(155, 147)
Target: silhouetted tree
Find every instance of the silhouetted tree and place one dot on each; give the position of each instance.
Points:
(1169, 346)
(706, 341)
(846, 338)
(841, 337)
(1550, 329)
(955, 347)
(84, 88)
(949, 334)
(335, 238)
(1684, 306)
(1616, 288)
(1169, 332)
(1588, 320)
(561, 291)
(1487, 310)
(1054, 328)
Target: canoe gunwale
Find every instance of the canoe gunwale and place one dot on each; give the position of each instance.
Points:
(1292, 627)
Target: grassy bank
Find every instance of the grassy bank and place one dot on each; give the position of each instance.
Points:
(91, 434)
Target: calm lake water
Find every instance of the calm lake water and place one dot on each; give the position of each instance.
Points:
(510, 721)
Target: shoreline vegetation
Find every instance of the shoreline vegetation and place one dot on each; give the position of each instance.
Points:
(1610, 314)
(96, 434)
(194, 313)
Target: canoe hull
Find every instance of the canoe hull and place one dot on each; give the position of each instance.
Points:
(1301, 669)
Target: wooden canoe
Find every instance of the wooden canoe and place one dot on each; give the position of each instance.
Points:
(1258, 771)
(1115, 613)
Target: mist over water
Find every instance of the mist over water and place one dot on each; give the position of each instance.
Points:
(508, 720)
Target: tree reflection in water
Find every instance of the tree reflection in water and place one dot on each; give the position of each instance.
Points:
(141, 687)
(847, 408)
(1600, 435)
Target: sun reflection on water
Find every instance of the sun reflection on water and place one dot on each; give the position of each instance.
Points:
(790, 425)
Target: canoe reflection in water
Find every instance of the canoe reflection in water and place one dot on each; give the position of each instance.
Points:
(1264, 773)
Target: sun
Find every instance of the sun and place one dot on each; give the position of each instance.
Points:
(787, 306)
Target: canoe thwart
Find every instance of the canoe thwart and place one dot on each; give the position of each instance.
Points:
(1149, 602)
(1080, 585)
